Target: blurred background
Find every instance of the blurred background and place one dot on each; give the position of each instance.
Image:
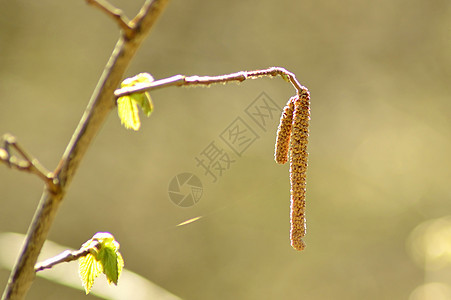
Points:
(378, 191)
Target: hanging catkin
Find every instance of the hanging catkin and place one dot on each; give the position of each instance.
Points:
(284, 133)
(298, 168)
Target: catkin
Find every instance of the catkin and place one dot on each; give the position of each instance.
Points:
(284, 132)
(298, 168)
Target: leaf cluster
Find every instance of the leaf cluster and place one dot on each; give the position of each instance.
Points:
(128, 105)
(103, 257)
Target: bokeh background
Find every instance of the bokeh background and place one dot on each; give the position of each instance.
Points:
(379, 189)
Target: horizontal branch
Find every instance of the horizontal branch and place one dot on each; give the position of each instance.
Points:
(181, 80)
(66, 256)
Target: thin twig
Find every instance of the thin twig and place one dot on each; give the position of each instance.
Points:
(181, 80)
(115, 13)
(100, 105)
(26, 163)
(66, 256)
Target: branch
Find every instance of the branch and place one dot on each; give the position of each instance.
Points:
(26, 163)
(66, 256)
(181, 80)
(116, 14)
(100, 105)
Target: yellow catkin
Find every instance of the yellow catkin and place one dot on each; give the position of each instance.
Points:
(298, 168)
(284, 132)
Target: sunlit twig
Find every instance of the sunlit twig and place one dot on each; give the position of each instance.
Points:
(66, 256)
(182, 80)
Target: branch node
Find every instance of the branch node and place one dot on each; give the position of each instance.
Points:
(25, 162)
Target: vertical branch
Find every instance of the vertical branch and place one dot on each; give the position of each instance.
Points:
(298, 168)
(101, 103)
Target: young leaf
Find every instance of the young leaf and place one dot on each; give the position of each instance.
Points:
(128, 112)
(128, 105)
(147, 105)
(103, 257)
(111, 260)
(89, 269)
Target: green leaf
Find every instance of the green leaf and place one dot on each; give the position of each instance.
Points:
(135, 80)
(89, 269)
(128, 112)
(146, 104)
(111, 261)
(128, 105)
(103, 257)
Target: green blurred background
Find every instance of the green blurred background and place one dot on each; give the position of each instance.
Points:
(380, 139)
